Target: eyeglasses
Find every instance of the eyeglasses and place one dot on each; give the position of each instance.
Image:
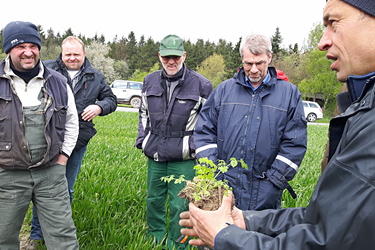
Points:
(174, 58)
(250, 65)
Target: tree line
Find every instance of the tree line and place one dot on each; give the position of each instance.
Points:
(127, 58)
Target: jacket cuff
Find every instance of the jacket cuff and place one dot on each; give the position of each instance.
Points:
(63, 153)
(280, 181)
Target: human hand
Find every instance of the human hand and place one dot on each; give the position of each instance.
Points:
(62, 160)
(90, 112)
(207, 224)
(238, 219)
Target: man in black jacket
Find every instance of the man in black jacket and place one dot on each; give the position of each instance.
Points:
(341, 212)
(92, 97)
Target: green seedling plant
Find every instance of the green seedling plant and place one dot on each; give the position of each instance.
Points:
(205, 180)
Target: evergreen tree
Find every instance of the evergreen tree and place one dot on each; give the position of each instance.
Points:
(197, 53)
(41, 34)
(68, 32)
(132, 52)
(118, 49)
(148, 55)
(276, 41)
(233, 61)
(293, 49)
(223, 48)
(189, 48)
(50, 48)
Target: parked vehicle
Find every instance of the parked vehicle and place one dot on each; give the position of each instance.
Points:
(127, 92)
(312, 111)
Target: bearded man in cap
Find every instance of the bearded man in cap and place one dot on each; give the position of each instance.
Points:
(38, 131)
(341, 212)
(171, 101)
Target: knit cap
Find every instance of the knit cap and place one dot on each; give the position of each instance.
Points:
(367, 6)
(19, 32)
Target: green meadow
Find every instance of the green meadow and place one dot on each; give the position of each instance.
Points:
(110, 192)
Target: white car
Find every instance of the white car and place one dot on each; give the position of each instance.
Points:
(127, 92)
(312, 111)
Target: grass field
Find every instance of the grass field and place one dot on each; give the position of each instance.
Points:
(110, 193)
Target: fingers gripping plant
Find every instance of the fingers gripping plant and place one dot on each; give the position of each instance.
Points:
(205, 185)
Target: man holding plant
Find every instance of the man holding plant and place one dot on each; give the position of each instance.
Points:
(341, 212)
(171, 101)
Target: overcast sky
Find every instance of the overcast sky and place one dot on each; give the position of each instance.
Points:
(191, 19)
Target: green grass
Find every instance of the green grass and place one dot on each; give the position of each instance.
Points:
(310, 169)
(110, 192)
(325, 119)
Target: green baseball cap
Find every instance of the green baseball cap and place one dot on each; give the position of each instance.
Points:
(171, 45)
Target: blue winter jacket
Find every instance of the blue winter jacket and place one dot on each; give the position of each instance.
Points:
(266, 129)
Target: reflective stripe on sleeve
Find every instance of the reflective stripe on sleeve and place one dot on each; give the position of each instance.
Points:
(287, 161)
(198, 150)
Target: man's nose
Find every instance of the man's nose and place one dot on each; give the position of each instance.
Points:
(326, 41)
(254, 68)
(28, 52)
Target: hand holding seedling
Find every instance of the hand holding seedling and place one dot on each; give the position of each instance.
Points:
(205, 191)
(207, 224)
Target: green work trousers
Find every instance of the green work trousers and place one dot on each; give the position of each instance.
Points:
(158, 192)
(48, 190)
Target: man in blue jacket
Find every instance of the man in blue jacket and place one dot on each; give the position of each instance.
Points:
(341, 212)
(258, 118)
(93, 97)
(171, 101)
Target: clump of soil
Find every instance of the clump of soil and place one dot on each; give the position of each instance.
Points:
(207, 202)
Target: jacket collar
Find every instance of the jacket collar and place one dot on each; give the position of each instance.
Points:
(179, 76)
(357, 96)
(357, 85)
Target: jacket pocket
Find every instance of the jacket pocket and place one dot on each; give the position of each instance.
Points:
(155, 102)
(59, 116)
(186, 105)
(7, 193)
(5, 120)
(5, 108)
(5, 154)
(268, 195)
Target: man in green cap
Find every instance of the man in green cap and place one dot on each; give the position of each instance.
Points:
(171, 101)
